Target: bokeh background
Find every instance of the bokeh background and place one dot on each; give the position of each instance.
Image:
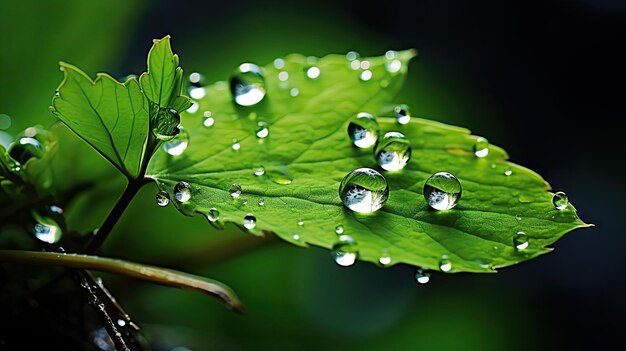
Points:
(540, 78)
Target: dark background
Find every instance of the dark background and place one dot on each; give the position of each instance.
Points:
(543, 79)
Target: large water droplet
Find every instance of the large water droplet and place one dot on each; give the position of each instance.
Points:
(339, 229)
(445, 265)
(162, 198)
(313, 72)
(249, 221)
(247, 85)
(442, 191)
(364, 190)
(520, 240)
(259, 171)
(365, 75)
(363, 130)
(178, 144)
(166, 124)
(560, 200)
(213, 215)
(393, 151)
(24, 149)
(345, 251)
(262, 130)
(182, 191)
(481, 147)
(422, 277)
(403, 115)
(48, 223)
(235, 191)
(207, 119)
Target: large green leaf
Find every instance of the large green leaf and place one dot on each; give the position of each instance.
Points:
(308, 143)
(112, 117)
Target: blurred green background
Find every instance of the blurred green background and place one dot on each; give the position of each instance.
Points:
(536, 77)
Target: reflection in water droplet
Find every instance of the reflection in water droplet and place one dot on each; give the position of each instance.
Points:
(422, 277)
(213, 215)
(182, 191)
(26, 148)
(345, 251)
(247, 85)
(262, 130)
(249, 221)
(508, 172)
(279, 63)
(339, 229)
(363, 130)
(393, 66)
(352, 55)
(234, 191)
(442, 191)
(364, 190)
(207, 119)
(178, 144)
(560, 200)
(481, 147)
(261, 202)
(393, 151)
(162, 198)
(236, 146)
(313, 72)
(445, 265)
(365, 75)
(259, 171)
(403, 115)
(294, 92)
(520, 240)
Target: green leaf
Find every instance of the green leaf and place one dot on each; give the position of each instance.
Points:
(110, 116)
(162, 84)
(308, 143)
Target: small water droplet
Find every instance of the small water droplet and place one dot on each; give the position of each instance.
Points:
(197, 93)
(445, 265)
(518, 218)
(364, 190)
(236, 146)
(279, 176)
(365, 64)
(283, 76)
(259, 171)
(207, 119)
(393, 151)
(234, 191)
(365, 75)
(493, 165)
(313, 72)
(296, 237)
(520, 240)
(294, 92)
(442, 191)
(339, 229)
(197, 80)
(384, 83)
(385, 258)
(261, 202)
(279, 63)
(393, 66)
(244, 202)
(508, 172)
(560, 200)
(182, 191)
(391, 54)
(363, 130)
(481, 147)
(193, 108)
(352, 55)
(121, 322)
(262, 130)
(422, 277)
(26, 148)
(213, 215)
(247, 85)
(345, 251)
(249, 221)
(403, 115)
(178, 144)
(162, 198)
(47, 223)
(300, 222)
(355, 64)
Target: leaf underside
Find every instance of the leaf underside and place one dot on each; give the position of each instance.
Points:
(309, 144)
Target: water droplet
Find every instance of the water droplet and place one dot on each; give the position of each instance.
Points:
(355, 64)
(283, 76)
(262, 130)
(345, 251)
(508, 172)
(560, 200)
(300, 222)
(197, 80)
(236, 146)
(182, 191)
(26, 148)
(207, 119)
(244, 202)
(385, 258)
(296, 237)
(442, 191)
(364, 190)
(213, 215)
(281, 177)
(445, 265)
(247, 85)
(422, 277)
(48, 223)
(311, 60)
(365, 75)
(403, 115)
(481, 147)
(5, 121)
(313, 72)
(391, 54)
(365, 64)
(249, 221)
(121, 322)
(279, 63)
(197, 93)
(162, 198)
(261, 202)
(178, 144)
(393, 66)
(194, 107)
(234, 191)
(259, 171)
(339, 229)
(352, 55)
(363, 130)
(520, 240)
(294, 92)
(393, 151)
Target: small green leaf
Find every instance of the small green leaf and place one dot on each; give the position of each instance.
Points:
(309, 145)
(110, 116)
